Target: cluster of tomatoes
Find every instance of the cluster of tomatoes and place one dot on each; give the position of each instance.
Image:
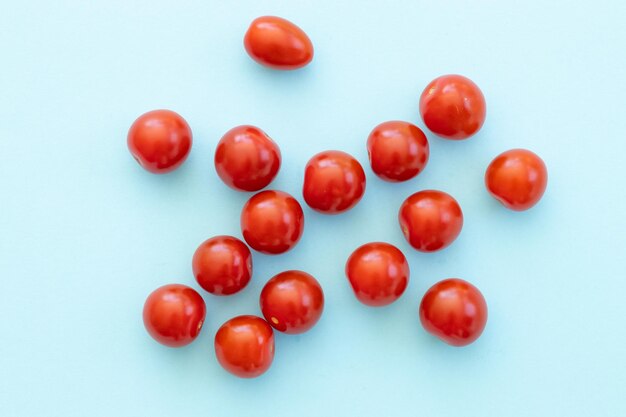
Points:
(272, 222)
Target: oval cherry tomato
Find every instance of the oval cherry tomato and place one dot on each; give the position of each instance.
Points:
(517, 178)
(455, 311)
(334, 182)
(277, 43)
(246, 159)
(222, 265)
(272, 222)
(174, 314)
(160, 141)
(453, 107)
(378, 273)
(430, 220)
(292, 302)
(244, 346)
(398, 151)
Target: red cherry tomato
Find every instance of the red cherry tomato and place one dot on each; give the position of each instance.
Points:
(173, 315)
(430, 220)
(292, 302)
(244, 346)
(398, 151)
(453, 107)
(160, 141)
(517, 178)
(222, 265)
(378, 273)
(334, 182)
(277, 43)
(272, 222)
(455, 311)
(246, 159)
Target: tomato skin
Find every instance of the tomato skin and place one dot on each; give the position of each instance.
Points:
(378, 273)
(292, 302)
(278, 43)
(160, 141)
(174, 314)
(517, 178)
(244, 346)
(334, 182)
(397, 150)
(455, 311)
(272, 222)
(430, 220)
(222, 265)
(453, 107)
(247, 159)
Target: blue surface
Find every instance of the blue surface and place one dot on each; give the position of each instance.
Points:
(85, 234)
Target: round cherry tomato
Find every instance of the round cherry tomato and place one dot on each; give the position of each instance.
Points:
(160, 141)
(246, 159)
(378, 273)
(244, 346)
(334, 182)
(272, 222)
(453, 107)
(277, 43)
(398, 151)
(292, 302)
(455, 311)
(222, 265)
(430, 220)
(517, 178)
(174, 314)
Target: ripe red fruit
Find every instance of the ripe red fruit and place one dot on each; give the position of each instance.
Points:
(517, 179)
(246, 159)
(160, 141)
(222, 265)
(455, 311)
(174, 314)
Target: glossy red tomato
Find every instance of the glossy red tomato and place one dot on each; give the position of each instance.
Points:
(174, 314)
(455, 311)
(430, 220)
(398, 151)
(292, 302)
(222, 265)
(244, 346)
(272, 222)
(453, 107)
(246, 159)
(378, 273)
(517, 178)
(277, 43)
(334, 182)
(160, 141)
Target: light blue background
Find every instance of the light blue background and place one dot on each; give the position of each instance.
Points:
(85, 234)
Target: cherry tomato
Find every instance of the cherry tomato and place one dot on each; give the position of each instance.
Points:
(174, 314)
(246, 159)
(292, 302)
(453, 107)
(244, 346)
(398, 151)
(517, 178)
(160, 141)
(430, 220)
(222, 265)
(455, 311)
(378, 273)
(277, 43)
(272, 222)
(334, 182)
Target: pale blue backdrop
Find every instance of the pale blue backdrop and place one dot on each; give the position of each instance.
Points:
(85, 234)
